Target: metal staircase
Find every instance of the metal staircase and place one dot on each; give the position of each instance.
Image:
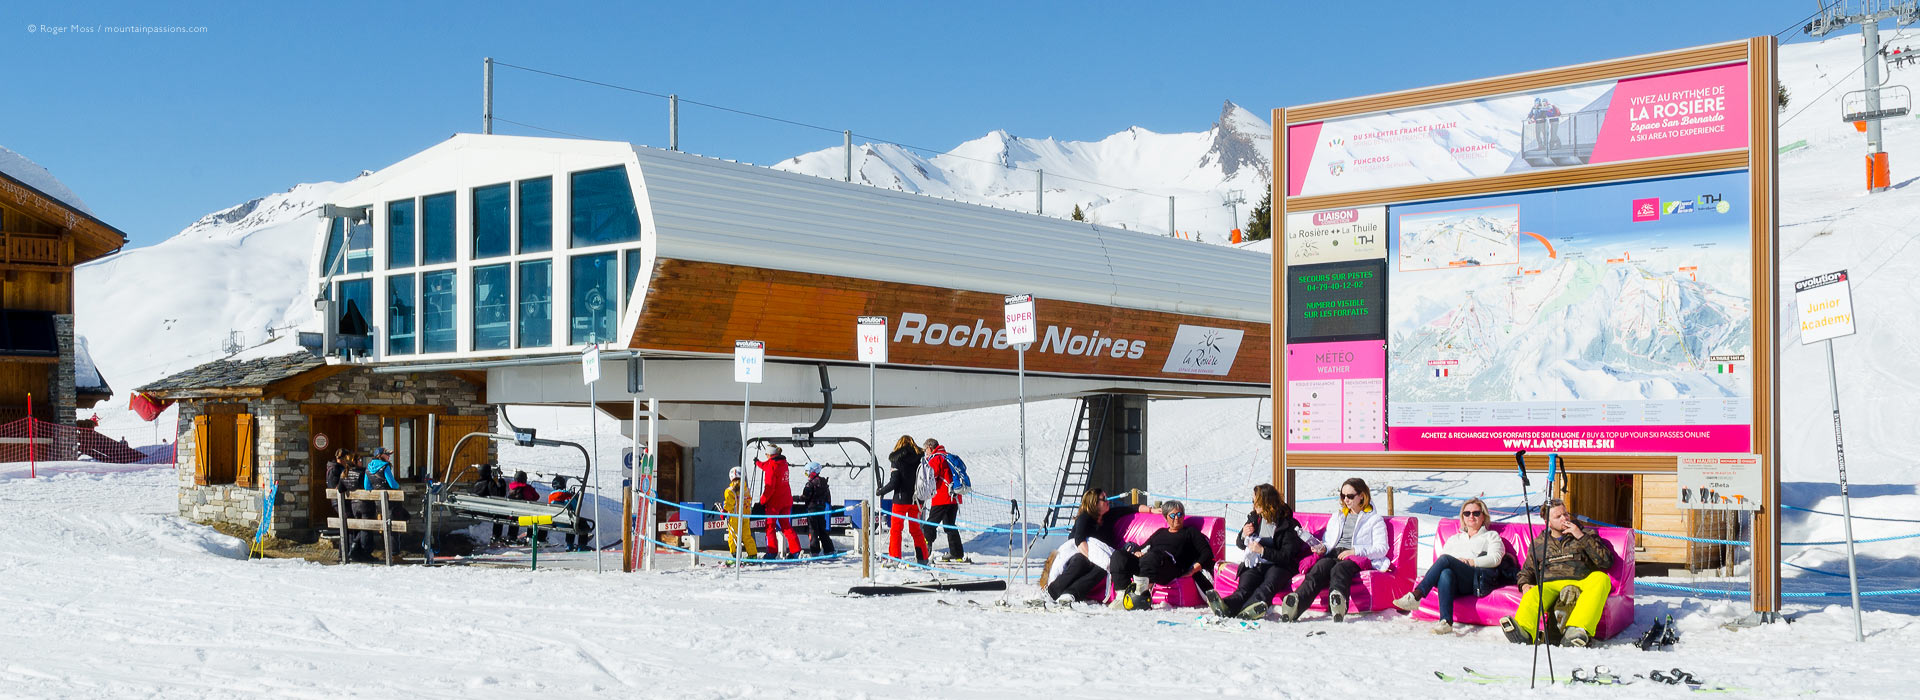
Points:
(1076, 468)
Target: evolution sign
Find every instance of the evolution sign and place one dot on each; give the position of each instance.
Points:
(1692, 111)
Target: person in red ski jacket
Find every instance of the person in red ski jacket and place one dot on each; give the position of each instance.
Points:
(520, 490)
(776, 498)
(945, 504)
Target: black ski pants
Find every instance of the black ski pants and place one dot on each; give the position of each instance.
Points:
(1159, 569)
(819, 540)
(1077, 577)
(945, 515)
(1331, 573)
(1258, 583)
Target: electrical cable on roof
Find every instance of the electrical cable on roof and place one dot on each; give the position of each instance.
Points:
(757, 115)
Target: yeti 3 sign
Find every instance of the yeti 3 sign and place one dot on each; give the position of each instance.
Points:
(870, 336)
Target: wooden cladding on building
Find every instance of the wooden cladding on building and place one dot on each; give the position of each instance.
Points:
(704, 307)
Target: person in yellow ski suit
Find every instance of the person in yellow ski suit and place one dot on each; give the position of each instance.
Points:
(738, 529)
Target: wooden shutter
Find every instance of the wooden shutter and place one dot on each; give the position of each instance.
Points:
(202, 450)
(243, 450)
(449, 431)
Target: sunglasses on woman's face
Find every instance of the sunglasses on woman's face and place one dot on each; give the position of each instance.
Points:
(1473, 514)
(1349, 496)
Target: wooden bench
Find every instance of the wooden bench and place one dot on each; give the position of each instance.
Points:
(385, 524)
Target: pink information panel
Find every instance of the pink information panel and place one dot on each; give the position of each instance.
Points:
(1337, 396)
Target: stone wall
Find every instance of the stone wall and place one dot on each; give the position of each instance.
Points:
(282, 434)
(65, 399)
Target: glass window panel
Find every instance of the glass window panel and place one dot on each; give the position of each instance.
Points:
(437, 320)
(594, 281)
(633, 277)
(356, 299)
(436, 228)
(492, 220)
(360, 246)
(536, 215)
(492, 308)
(536, 304)
(332, 264)
(602, 204)
(400, 234)
(400, 316)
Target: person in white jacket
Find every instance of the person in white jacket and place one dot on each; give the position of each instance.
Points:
(1356, 539)
(1468, 565)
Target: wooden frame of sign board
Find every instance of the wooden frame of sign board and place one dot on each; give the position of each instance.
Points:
(1759, 159)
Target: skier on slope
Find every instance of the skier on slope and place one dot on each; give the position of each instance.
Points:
(491, 485)
(905, 460)
(817, 498)
(1176, 552)
(520, 490)
(945, 504)
(776, 498)
(739, 529)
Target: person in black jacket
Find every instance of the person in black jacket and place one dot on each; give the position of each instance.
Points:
(491, 485)
(345, 474)
(1089, 548)
(1274, 549)
(900, 484)
(1168, 555)
(816, 498)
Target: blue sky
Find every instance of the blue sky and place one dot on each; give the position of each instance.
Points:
(154, 131)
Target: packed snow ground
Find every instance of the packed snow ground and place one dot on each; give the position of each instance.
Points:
(110, 595)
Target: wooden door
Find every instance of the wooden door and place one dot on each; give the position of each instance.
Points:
(324, 435)
(449, 430)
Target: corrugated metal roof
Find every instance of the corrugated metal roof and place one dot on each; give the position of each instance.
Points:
(719, 211)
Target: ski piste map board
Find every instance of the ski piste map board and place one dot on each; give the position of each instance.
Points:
(1579, 260)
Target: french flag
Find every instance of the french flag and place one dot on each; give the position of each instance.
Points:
(1440, 371)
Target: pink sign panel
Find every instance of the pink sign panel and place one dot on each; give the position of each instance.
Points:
(1692, 111)
(1598, 438)
(1336, 396)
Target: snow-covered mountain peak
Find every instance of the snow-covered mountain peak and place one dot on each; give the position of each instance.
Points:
(242, 219)
(1240, 140)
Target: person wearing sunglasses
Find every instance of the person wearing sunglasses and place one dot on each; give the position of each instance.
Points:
(1271, 538)
(1172, 553)
(1356, 539)
(1082, 562)
(1573, 580)
(1469, 565)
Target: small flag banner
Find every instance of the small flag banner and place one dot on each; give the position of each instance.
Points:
(1440, 372)
(1723, 368)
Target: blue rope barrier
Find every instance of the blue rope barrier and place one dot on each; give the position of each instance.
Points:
(738, 560)
(1742, 594)
(936, 569)
(1814, 570)
(831, 511)
(988, 529)
(1856, 517)
(1702, 540)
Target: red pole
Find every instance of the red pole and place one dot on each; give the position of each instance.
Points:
(33, 467)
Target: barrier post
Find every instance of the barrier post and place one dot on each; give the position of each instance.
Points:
(340, 502)
(866, 541)
(1389, 501)
(386, 528)
(1135, 495)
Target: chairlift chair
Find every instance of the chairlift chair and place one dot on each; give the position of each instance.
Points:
(508, 510)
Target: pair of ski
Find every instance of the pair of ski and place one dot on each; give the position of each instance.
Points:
(1598, 675)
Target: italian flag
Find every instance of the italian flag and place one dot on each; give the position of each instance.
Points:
(1723, 368)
